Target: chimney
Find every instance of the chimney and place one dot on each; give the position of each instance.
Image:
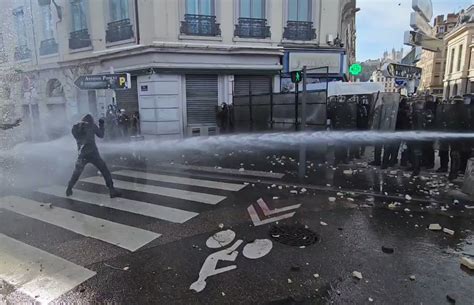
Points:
(439, 20)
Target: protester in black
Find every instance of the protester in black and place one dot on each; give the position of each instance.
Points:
(85, 132)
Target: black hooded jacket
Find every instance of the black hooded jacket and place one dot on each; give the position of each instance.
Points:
(85, 132)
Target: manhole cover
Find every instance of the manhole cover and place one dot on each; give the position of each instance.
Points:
(293, 235)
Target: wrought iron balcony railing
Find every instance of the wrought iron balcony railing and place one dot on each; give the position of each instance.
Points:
(48, 46)
(79, 39)
(252, 28)
(299, 30)
(200, 25)
(119, 30)
(22, 53)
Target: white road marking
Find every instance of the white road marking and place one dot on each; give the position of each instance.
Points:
(267, 212)
(182, 180)
(127, 237)
(122, 204)
(258, 222)
(163, 191)
(36, 273)
(231, 171)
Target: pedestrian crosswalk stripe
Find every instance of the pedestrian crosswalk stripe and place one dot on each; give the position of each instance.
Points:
(163, 191)
(231, 171)
(36, 273)
(181, 180)
(126, 237)
(123, 204)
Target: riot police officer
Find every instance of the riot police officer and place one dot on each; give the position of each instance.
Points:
(418, 123)
(428, 152)
(459, 123)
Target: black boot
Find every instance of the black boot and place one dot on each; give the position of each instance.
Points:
(114, 193)
(69, 191)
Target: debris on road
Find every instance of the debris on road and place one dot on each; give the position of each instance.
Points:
(435, 227)
(348, 172)
(323, 223)
(294, 192)
(290, 281)
(412, 277)
(451, 298)
(408, 197)
(387, 250)
(221, 226)
(332, 199)
(448, 231)
(276, 198)
(467, 262)
(316, 275)
(371, 300)
(126, 268)
(357, 275)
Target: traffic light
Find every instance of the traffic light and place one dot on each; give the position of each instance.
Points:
(296, 76)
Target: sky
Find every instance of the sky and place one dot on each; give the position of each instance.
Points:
(382, 23)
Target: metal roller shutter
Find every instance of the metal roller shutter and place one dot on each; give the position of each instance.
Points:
(260, 85)
(201, 99)
(128, 99)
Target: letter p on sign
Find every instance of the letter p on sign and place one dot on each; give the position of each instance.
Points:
(122, 81)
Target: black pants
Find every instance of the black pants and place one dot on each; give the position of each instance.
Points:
(428, 154)
(340, 154)
(96, 160)
(455, 163)
(378, 154)
(390, 154)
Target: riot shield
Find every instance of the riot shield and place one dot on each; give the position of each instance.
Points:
(342, 110)
(384, 112)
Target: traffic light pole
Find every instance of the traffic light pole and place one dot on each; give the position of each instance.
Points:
(302, 154)
(297, 89)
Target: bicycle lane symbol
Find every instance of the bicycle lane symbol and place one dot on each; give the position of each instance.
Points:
(254, 250)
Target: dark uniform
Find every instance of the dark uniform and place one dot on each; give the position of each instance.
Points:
(85, 133)
(390, 156)
(418, 123)
(428, 152)
(459, 123)
(10, 126)
(442, 121)
(342, 114)
(363, 109)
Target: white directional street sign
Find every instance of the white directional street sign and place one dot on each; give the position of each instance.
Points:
(426, 42)
(418, 23)
(424, 8)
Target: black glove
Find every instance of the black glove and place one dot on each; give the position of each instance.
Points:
(101, 122)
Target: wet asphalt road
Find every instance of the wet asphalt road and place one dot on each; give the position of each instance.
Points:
(351, 231)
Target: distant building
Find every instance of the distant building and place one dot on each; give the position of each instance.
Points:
(433, 63)
(394, 56)
(459, 73)
(388, 82)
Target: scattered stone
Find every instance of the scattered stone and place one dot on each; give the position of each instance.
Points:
(350, 199)
(276, 198)
(408, 197)
(393, 172)
(82, 290)
(348, 172)
(451, 298)
(371, 300)
(223, 294)
(221, 225)
(412, 277)
(387, 250)
(448, 231)
(339, 194)
(294, 192)
(323, 223)
(246, 183)
(273, 185)
(455, 201)
(444, 209)
(469, 207)
(280, 187)
(467, 262)
(316, 275)
(407, 210)
(290, 281)
(357, 275)
(435, 227)
(241, 169)
(332, 199)
(126, 268)
(303, 190)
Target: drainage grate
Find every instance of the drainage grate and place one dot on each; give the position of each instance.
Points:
(293, 235)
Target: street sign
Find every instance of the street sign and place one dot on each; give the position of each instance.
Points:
(401, 71)
(424, 7)
(400, 82)
(104, 81)
(296, 76)
(426, 42)
(355, 69)
(418, 23)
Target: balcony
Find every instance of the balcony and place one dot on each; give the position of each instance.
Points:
(48, 47)
(252, 28)
(200, 25)
(79, 39)
(299, 30)
(119, 30)
(22, 53)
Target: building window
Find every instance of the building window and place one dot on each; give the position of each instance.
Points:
(472, 59)
(299, 25)
(451, 67)
(48, 45)
(22, 51)
(200, 19)
(441, 29)
(460, 57)
(79, 37)
(120, 27)
(378, 79)
(252, 21)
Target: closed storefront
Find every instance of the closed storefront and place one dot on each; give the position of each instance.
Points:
(201, 104)
(252, 84)
(128, 99)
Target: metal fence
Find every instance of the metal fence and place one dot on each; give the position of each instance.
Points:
(279, 111)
